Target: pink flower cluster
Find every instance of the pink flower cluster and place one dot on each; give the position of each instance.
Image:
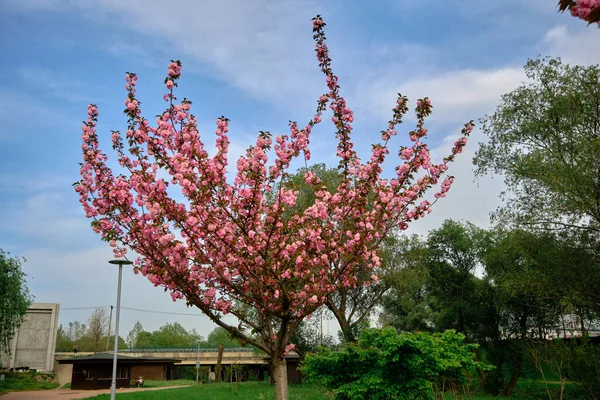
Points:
(587, 10)
(234, 247)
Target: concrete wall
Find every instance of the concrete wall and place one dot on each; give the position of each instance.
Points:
(35, 341)
(63, 372)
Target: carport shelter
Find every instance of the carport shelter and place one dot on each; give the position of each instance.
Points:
(95, 371)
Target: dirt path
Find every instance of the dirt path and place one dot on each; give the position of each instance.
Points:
(68, 394)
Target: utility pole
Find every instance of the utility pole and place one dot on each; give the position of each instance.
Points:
(108, 335)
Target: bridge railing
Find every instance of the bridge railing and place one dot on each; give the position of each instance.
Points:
(190, 350)
(174, 350)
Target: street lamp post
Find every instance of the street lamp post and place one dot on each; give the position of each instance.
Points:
(197, 361)
(113, 386)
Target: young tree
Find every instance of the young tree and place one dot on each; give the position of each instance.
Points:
(226, 249)
(545, 141)
(63, 342)
(76, 331)
(587, 10)
(97, 327)
(133, 334)
(14, 301)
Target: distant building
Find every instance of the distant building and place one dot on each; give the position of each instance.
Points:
(95, 371)
(34, 343)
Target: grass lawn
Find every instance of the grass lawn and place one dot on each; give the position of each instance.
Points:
(263, 391)
(176, 382)
(224, 391)
(19, 381)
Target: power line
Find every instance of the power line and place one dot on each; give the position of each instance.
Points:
(135, 309)
(162, 312)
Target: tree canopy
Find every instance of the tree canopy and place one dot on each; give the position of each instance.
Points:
(544, 138)
(14, 301)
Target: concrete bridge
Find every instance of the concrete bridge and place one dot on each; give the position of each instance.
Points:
(255, 361)
(188, 356)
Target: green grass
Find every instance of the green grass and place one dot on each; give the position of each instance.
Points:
(224, 391)
(176, 382)
(526, 390)
(17, 382)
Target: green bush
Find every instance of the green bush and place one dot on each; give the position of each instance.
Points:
(386, 365)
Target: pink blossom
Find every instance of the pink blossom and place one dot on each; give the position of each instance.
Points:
(237, 243)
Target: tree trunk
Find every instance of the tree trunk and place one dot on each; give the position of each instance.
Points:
(280, 378)
(510, 386)
(218, 366)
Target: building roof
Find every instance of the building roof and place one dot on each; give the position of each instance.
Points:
(121, 359)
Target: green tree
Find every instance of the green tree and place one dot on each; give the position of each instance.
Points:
(544, 138)
(132, 336)
(14, 301)
(405, 305)
(63, 342)
(220, 336)
(436, 288)
(455, 253)
(173, 335)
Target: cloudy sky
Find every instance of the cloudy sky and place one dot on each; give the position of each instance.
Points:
(252, 61)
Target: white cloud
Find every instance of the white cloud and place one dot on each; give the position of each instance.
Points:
(469, 199)
(253, 46)
(457, 96)
(580, 47)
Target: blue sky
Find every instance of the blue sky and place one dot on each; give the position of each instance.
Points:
(252, 61)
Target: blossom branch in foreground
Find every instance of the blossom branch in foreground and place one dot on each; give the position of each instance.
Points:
(587, 10)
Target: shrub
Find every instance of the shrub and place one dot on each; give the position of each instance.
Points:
(385, 364)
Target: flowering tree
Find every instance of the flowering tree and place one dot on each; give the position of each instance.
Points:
(587, 10)
(230, 248)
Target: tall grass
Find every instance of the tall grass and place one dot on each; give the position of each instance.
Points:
(20, 381)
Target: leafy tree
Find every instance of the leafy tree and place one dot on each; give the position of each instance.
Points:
(219, 336)
(544, 138)
(406, 305)
(437, 289)
(63, 342)
(455, 251)
(226, 245)
(144, 340)
(15, 299)
(76, 331)
(97, 328)
(132, 336)
(173, 335)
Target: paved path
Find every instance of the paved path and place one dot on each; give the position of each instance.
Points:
(68, 394)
